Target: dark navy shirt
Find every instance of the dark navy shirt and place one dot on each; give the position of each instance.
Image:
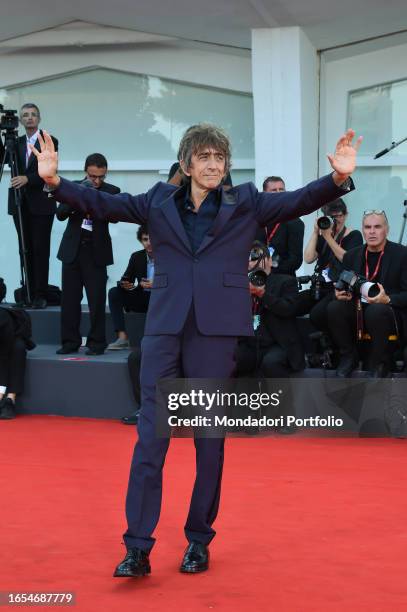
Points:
(198, 224)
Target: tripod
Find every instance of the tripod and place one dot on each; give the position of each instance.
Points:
(403, 226)
(10, 155)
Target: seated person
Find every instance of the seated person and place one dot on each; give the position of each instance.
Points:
(327, 247)
(379, 261)
(134, 363)
(15, 340)
(285, 240)
(275, 351)
(133, 290)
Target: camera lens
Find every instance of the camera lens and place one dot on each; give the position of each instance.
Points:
(324, 223)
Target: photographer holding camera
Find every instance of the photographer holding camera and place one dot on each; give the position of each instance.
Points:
(275, 351)
(371, 296)
(329, 242)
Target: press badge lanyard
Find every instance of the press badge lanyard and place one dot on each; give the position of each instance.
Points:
(273, 231)
(376, 270)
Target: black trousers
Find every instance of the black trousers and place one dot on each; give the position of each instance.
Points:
(83, 273)
(134, 365)
(268, 362)
(12, 356)
(119, 299)
(379, 323)
(37, 235)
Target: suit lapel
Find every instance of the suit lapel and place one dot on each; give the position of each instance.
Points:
(171, 213)
(226, 209)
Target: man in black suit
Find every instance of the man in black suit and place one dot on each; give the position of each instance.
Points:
(284, 240)
(133, 290)
(382, 262)
(275, 351)
(85, 251)
(37, 208)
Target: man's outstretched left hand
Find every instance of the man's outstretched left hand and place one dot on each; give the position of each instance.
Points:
(343, 161)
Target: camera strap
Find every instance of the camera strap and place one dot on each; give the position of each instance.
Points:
(377, 268)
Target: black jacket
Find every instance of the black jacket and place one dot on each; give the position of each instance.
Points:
(287, 243)
(392, 274)
(33, 195)
(101, 241)
(137, 267)
(22, 325)
(277, 317)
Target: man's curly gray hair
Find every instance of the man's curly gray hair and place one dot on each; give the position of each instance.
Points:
(201, 136)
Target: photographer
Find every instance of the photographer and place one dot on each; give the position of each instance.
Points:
(133, 289)
(37, 209)
(275, 351)
(85, 251)
(15, 340)
(381, 262)
(284, 240)
(327, 247)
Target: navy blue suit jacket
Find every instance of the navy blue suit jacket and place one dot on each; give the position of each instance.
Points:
(214, 279)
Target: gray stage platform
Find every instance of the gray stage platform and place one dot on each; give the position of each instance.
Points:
(96, 387)
(46, 325)
(77, 385)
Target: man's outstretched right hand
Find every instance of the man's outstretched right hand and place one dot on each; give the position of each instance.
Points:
(47, 159)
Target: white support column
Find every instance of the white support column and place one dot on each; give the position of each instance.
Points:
(285, 95)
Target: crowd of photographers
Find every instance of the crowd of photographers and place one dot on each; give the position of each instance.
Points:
(356, 298)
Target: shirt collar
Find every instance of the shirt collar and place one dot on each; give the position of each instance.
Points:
(187, 203)
(33, 139)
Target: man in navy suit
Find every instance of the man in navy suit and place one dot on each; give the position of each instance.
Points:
(200, 303)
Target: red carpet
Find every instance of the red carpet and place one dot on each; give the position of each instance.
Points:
(305, 524)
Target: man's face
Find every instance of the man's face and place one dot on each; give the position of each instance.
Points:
(96, 175)
(274, 187)
(375, 230)
(145, 241)
(30, 118)
(207, 168)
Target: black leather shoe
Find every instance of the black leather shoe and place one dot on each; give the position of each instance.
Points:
(66, 349)
(347, 363)
(39, 303)
(7, 409)
(135, 563)
(94, 351)
(196, 558)
(131, 419)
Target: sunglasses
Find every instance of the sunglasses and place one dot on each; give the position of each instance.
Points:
(375, 212)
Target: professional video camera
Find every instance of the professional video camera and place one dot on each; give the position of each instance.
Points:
(256, 275)
(356, 284)
(9, 128)
(8, 120)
